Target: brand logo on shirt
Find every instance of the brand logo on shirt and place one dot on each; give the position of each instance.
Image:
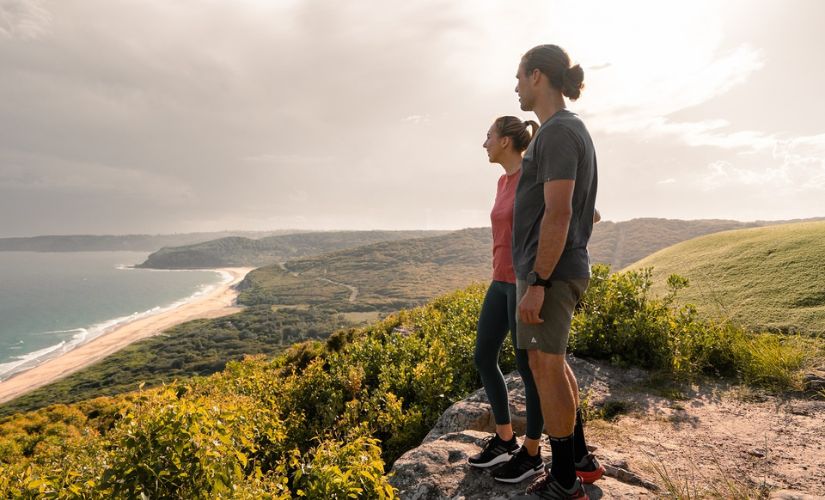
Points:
(533, 340)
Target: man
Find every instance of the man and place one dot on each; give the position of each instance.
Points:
(552, 223)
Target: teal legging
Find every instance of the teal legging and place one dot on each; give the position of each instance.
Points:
(498, 316)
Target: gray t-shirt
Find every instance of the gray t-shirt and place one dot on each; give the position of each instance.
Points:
(561, 149)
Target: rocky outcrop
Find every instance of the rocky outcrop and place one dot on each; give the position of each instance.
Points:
(438, 468)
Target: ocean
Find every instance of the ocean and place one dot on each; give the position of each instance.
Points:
(52, 302)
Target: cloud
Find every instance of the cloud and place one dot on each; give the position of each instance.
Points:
(24, 19)
(342, 113)
(287, 159)
(641, 101)
(37, 174)
(417, 119)
(790, 166)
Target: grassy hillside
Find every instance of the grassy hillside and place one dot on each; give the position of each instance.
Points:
(237, 251)
(770, 277)
(383, 276)
(619, 244)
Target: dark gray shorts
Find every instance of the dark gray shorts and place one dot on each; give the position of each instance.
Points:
(557, 312)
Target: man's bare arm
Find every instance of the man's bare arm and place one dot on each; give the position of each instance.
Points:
(558, 208)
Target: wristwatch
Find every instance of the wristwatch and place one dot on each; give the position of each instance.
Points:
(533, 279)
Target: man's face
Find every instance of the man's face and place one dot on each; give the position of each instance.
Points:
(524, 89)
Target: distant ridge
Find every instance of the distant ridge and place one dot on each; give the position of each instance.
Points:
(383, 276)
(614, 243)
(127, 242)
(238, 251)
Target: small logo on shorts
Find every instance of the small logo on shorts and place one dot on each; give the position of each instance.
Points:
(533, 340)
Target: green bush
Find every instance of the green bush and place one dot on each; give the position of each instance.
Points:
(348, 468)
(195, 447)
(620, 321)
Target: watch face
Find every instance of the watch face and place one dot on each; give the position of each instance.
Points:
(531, 278)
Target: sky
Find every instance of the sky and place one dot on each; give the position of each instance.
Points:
(163, 116)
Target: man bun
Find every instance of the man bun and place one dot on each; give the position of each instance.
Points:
(572, 82)
(554, 63)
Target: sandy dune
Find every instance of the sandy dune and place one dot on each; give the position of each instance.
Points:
(218, 302)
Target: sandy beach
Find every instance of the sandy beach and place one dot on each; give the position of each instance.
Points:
(218, 302)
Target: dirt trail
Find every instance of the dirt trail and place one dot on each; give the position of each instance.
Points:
(353, 291)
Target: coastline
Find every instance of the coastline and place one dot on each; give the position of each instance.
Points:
(216, 302)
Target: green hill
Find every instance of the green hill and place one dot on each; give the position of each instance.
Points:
(619, 244)
(769, 277)
(246, 252)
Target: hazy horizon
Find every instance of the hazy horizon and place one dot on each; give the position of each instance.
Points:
(157, 118)
(287, 230)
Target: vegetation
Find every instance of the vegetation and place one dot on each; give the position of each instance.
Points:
(199, 347)
(326, 419)
(308, 423)
(763, 278)
(620, 321)
(238, 251)
(393, 275)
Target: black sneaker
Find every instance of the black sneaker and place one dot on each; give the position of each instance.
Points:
(520, 467)
(547, 488)
(495, 451)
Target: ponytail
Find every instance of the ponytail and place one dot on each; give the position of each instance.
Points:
(516, 130)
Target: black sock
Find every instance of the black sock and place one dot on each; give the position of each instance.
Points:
(563, 469)
(579, 446)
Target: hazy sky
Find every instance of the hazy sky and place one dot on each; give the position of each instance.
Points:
(159, 116)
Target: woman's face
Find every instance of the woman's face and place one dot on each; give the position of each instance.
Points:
(493, 145)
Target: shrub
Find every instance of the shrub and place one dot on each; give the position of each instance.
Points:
(348, 468)
(619, 321)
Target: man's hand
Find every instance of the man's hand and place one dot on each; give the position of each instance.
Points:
(530, 305)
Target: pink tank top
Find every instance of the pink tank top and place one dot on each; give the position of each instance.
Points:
(502, 221)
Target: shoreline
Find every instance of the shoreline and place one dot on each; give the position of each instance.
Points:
(217, 302)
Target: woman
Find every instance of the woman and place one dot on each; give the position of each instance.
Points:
(507, 139)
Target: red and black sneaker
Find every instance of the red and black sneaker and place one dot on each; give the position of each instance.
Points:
(547, 488)
(589, 470)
